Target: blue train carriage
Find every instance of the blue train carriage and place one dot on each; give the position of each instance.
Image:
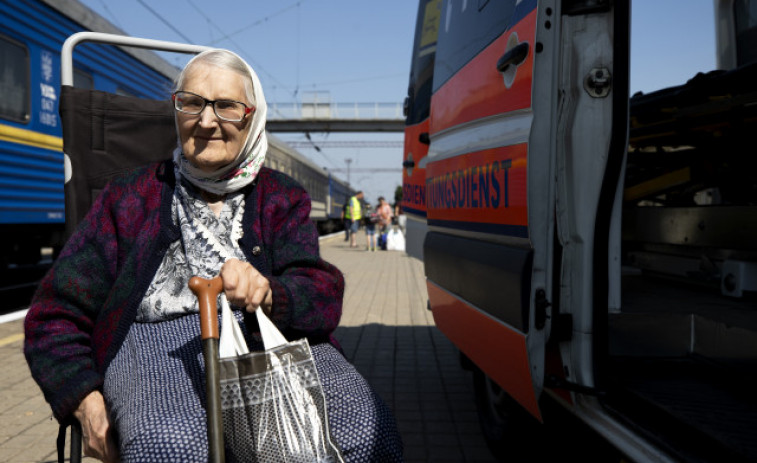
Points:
(31, 161)
(327, 193)
(339, 193)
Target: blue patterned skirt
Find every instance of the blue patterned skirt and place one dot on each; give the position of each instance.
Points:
(155, 390)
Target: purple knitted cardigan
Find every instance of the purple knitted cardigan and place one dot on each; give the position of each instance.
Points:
(86, 303)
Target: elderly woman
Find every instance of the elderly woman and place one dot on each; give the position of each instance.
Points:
(112, 332)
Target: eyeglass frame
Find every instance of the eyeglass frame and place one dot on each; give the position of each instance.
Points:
(247, 109)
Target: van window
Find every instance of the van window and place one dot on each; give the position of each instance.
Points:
(422, 67)
(14, 81)
(466, 28)
(745, 15)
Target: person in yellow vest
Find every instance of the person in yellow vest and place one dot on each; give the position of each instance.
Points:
(355, 214)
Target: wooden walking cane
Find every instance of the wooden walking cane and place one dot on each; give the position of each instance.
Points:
(207, 292)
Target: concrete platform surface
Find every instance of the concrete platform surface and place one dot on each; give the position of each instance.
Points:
(386, 331)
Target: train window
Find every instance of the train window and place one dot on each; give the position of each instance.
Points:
(422, 67)
(83, 79)
(465, 29)
(15, 81)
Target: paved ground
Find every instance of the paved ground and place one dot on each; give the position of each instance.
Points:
(386, 332)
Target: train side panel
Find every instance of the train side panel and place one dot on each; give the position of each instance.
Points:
(31, 160)
(327, 193)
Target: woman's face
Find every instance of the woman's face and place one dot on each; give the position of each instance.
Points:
(208, 142)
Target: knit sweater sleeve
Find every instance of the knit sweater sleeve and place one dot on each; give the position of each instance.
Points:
(307, 290)
(61, 317)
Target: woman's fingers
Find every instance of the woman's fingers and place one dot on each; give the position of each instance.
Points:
(244, 286)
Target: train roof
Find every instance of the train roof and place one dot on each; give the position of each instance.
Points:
(91, 21)
(282, 145)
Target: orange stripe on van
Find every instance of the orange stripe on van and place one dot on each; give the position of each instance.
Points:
(500, 351)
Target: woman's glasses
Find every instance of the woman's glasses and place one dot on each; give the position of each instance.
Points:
(226, 110)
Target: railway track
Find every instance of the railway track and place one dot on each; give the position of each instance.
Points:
(17, 285)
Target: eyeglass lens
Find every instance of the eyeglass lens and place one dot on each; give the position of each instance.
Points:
(194, 104)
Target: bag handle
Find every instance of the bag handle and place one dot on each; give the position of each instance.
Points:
(271, 335)
(232, 339)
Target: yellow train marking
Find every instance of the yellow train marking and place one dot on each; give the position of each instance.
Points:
(31, 138)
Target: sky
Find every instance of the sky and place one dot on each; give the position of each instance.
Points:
(358, 51)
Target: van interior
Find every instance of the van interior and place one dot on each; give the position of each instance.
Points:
(681, 356)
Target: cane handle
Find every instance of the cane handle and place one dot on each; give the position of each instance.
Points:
(207, 292)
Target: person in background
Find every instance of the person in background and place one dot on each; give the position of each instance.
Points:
(371, 218)
(112, 335)
(346, 220)
(355, 215)
(385, 215)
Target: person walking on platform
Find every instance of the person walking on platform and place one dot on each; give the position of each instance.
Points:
(371, 218)
(384, 211)
(356, 214)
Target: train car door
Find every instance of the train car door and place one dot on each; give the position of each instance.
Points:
(511, 92)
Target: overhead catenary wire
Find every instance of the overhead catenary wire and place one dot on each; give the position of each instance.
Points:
(228, 37)
(347, 144)
(110, 13)
(258, 67)
(310, 143)
(356, 80)
(166, 22)
(257, 23)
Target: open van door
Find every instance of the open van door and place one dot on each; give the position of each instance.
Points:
(514, 83)
(486, 263)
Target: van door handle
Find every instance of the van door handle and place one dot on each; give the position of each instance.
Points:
(514, 56)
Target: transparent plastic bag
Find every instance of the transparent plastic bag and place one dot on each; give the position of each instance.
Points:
(272, 402)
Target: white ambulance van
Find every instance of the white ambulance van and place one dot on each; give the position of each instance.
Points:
(587, 250)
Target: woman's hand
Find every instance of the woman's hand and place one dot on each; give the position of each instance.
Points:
(97, 433)
(245, 286)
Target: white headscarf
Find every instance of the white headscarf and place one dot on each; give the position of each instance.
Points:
(245, 167)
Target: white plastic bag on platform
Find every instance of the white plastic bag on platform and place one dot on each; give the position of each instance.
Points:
(395, 240)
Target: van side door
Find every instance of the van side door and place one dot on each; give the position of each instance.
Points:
(489, 194)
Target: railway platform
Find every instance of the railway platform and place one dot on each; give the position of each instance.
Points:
(386, 331)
